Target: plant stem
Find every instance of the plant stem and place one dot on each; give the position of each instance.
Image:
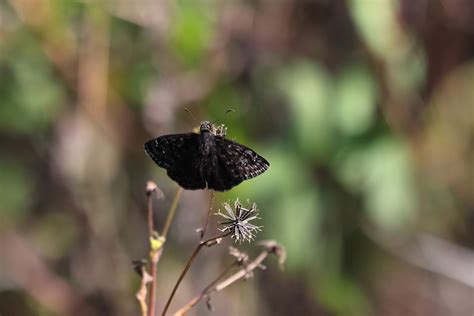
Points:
(209, 213)
(142, 292)
(151, 228)
(153, 254)
(171, 212)
(222, 285)
(208, 242)
(183, 310)
(155, 257)
(241, 273)
(157, 241)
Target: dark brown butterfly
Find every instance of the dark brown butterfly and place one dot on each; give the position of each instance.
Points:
(205, 159)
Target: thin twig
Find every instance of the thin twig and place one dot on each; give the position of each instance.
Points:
(155, 257)
(150, 189)
(171, 212)
(241, 273)
(209, 213)
(141, 295)
(150, 213)
(156, 244)
(203, 293)
(428, 252)
(208, 242)
(270, 247)
(157, 248)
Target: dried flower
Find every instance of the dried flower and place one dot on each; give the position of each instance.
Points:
(238, 221)
(241, 257)
(151, 188)
(139, 266)
(275, 248)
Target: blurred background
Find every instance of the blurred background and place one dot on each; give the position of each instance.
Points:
(364, 108)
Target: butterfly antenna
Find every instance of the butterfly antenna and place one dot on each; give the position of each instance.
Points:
(192, 115)
(226, 112)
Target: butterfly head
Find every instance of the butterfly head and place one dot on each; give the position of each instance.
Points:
(206, 127)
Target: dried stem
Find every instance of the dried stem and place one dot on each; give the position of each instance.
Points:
(142, 292)
(154, 253)
(151, 228)
(220, 286)
(209, 213)
(156, 248)
(209, 242)
(270, 247)
(156, 240)
(155, 256)
(241, 273)
(203, 293)
(141, 297)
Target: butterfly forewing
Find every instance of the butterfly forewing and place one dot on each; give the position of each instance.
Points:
(241, 162)
(179, 155)
(205, 160)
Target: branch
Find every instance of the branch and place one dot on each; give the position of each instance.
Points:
(156, 244)
(172, 211)
(203, 293)
(430, 253)
(139, 267)
(156, 249)
(209, 213)
(209, 242)
(271, 247)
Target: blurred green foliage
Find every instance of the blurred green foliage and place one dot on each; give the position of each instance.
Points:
(191, 32)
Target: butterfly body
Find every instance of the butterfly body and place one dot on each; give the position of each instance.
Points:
(205, 159)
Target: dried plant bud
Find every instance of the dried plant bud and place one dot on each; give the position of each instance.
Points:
(208, 304)
(139, 266)
(241, 257)
(248, 275)
(277, 249)
(147, 278)
(151, 188)
(200, 231)
(238, 221)
(214, 242)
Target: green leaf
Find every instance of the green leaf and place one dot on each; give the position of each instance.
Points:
(308, 88)
(355, 97)
(191, 31)
(382, 173)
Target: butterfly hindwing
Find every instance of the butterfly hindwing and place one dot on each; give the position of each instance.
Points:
(222, 178)
(179, 155)
(236, 163)
(205, 160)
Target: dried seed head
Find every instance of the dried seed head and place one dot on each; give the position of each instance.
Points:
(238, 221)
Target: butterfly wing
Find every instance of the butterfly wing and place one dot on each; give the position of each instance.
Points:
(234, 164)
(179, 155)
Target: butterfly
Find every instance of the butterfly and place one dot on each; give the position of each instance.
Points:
(205, 159)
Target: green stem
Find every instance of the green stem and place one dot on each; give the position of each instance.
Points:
(171, 212)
